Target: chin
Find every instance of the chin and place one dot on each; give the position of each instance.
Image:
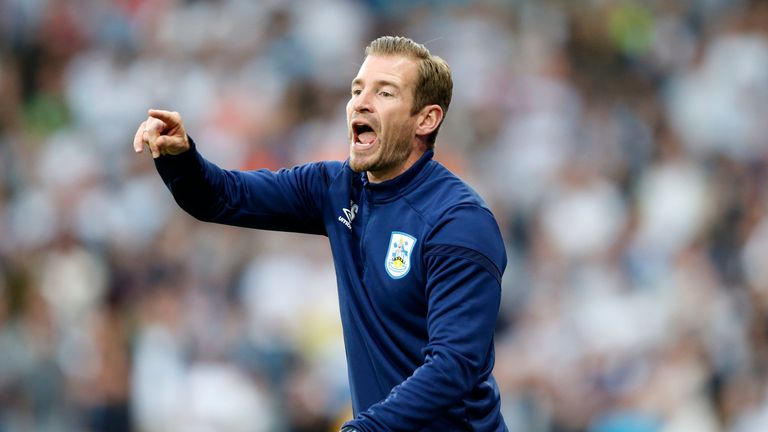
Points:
(360, 162)
(357, 165)
(354, 167)
(354, 163)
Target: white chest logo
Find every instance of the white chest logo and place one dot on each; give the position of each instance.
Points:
(398, 260)
(349, 215)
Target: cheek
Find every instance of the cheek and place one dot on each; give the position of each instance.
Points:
(395, 119)
(400, 125)
(349, 110)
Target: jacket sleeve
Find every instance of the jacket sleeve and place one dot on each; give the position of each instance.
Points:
(285, 200)
(464, 261)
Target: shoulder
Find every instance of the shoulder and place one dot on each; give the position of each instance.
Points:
(335, 169)
(459, 218)
(442, 196)
(313, 176)
(442, 190)
(328, 169)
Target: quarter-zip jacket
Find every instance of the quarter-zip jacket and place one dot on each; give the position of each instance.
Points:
(418, 261)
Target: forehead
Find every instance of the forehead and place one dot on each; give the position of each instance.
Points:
(397, 69)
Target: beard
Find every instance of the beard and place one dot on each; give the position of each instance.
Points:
(390, 152)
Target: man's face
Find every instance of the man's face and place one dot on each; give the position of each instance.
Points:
(381, 127)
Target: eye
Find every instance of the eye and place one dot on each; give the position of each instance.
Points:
(385, 93)
(356, 92)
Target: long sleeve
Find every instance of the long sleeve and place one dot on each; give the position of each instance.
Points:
(285, 200)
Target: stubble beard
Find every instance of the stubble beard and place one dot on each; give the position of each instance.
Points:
(389, 154)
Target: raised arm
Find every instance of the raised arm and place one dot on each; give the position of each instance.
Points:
(285, 200)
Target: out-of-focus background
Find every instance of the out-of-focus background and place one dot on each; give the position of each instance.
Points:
(622, 144)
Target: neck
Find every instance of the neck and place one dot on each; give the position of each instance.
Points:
(390, 173)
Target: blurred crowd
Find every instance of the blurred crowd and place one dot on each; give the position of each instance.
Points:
(622, 144)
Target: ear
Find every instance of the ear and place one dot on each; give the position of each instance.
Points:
(429, 119)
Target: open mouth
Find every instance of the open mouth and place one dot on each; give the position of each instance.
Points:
(364, 135)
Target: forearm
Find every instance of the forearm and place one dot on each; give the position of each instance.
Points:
(185, 176)
(426, 396)
(287, 200)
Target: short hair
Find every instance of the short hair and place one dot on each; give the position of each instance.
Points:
(434, 84)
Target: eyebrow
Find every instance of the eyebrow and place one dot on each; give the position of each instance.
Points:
(380, 83)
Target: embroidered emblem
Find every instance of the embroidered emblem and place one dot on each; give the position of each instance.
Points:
(349, 215)
(398, 260)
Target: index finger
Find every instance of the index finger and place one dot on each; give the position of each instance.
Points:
(171, 118)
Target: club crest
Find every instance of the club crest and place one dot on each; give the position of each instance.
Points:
(398, 261)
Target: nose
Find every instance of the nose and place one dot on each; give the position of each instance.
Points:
(361, 102)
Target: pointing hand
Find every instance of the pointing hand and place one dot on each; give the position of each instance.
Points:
(163, 132)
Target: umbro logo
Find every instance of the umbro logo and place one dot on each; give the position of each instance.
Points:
(349, 215)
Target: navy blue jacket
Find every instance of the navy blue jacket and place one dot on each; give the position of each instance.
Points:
(418, 262)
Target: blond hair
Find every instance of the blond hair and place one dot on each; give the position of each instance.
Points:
(434, 84)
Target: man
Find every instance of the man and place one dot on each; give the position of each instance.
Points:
(418, 255)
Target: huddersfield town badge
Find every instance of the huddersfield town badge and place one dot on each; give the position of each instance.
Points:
(398, 260)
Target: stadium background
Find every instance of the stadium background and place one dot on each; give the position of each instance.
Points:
(622, 145)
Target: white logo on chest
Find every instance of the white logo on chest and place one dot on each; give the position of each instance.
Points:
(398, 260)
(349, 215)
